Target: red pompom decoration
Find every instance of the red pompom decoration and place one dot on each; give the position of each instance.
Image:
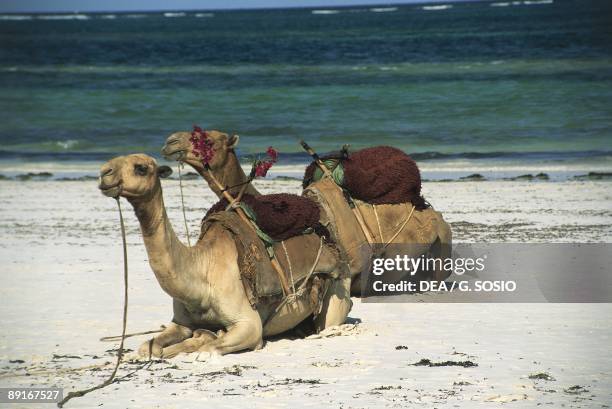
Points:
(261, 167)
(202, 145)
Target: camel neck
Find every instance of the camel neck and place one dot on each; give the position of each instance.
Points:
(230, 174)
(174, 264)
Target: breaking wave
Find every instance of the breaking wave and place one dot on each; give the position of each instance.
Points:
(439, 7)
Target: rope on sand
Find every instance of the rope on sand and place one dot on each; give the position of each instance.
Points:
(111, 379)
(54, 371)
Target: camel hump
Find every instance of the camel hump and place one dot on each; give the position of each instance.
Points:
(375, 175)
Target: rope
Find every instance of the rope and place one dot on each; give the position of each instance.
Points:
(228, 188)
(295, 294)
(111, 378)
(180, 165)
(382, 240)
(314, 265)
(289, 264)
(133, 334)
(401, 227)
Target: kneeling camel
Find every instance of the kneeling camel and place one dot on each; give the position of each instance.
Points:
(204, 280)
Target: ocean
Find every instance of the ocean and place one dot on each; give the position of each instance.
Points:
(499, 87)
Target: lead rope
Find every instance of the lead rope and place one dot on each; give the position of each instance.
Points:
(111, 379)
(133, 334)
(180, 165)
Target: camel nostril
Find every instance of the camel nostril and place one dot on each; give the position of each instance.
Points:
(106, 172)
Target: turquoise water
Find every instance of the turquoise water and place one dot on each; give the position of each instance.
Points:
(526, 82)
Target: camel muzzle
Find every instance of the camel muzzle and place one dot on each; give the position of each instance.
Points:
(173, 155)
(110, 190)
(173, 149)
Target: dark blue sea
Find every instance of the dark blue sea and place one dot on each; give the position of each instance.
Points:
(507, 82)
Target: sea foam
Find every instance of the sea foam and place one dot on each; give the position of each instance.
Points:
(383, 9)
(64, 17)
(533, 2)
(325, 11)
(15, 17)
(440, 7)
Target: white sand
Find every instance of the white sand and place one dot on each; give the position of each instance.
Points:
(61, 281)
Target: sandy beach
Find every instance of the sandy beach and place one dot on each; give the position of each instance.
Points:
(61, 283)
(506, 107)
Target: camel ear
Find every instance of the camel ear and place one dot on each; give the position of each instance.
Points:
(164, 171)
(232, 141)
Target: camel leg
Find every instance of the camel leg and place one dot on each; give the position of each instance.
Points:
(200, 338)
(173, 334)
(440, 250)
(356, 286)
(336, 304)
(244, 334)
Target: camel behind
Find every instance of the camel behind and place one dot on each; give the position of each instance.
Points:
(425, 228)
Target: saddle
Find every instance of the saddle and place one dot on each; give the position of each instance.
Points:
(377, 175)
(258, 276)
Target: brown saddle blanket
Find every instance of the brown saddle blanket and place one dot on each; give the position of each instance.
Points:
(281, 215)
(378, 175)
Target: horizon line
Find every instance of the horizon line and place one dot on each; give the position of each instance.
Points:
(254, 8)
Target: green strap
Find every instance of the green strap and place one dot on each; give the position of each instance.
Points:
(268, 241)
(337, 171)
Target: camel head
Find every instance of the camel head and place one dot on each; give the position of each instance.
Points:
(131, 176)
(178, 147)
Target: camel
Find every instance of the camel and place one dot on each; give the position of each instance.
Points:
(391, 224)
(204, 280)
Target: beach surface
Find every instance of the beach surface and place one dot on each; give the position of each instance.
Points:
(61, 291)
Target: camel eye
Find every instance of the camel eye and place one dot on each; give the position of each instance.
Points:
(141, 170)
